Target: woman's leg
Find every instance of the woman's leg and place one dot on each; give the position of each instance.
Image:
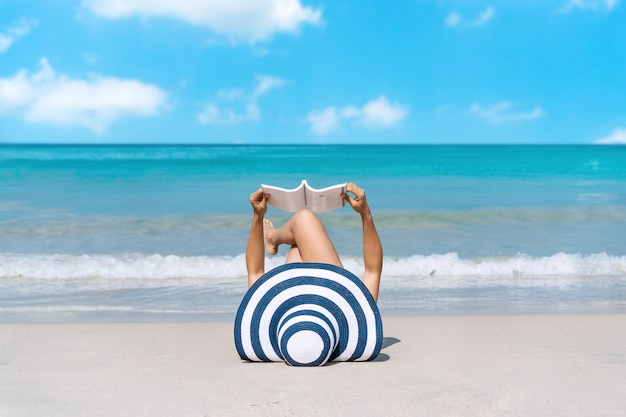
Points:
(293, 255)
(307, 232)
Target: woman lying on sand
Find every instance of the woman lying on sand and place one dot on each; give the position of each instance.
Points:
(308, 239)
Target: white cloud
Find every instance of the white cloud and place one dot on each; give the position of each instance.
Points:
(48, 97)
(13, 33)
(324, 121)
(503, 112)
(222, 113)
(591, 5)
(452, 20)
(484, 17)
(239, 20)
(265, 84)
(380, 113)
(5, 42)
(455, 20)
(618, 137)
(375, 114)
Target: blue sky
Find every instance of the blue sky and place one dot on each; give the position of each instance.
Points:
(313, 71)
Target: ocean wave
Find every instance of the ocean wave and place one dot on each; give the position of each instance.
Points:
(138, 266)
(125, 266)
(560, 264)
(139, 286)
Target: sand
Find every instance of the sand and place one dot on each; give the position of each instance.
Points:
(542, 365)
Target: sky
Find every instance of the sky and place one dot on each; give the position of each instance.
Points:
(313, 71)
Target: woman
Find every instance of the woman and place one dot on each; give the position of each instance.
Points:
(308, 239)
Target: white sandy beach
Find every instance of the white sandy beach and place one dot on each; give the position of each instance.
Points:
(542, 365)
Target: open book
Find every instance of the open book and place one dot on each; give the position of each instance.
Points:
(316, 200)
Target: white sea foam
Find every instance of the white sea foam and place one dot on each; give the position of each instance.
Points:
(141, 286)
(120, 267)
(560, 264)
(167, 267)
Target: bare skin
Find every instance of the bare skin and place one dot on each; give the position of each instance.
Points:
(308, 239)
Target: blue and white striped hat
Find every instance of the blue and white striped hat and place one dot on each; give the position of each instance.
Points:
(307, 314)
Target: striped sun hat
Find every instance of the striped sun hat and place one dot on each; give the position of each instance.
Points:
(307, 314)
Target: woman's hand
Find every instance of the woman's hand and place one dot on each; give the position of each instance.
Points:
(358, 202)
(259, 199)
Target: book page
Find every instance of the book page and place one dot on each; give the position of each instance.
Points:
(324, 199)
(286, 199)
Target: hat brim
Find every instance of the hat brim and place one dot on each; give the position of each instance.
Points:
(307, 314)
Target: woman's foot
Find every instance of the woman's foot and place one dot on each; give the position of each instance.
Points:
(268, 236)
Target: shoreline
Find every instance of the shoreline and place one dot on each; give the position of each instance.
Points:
(505, 364)
(229, 318)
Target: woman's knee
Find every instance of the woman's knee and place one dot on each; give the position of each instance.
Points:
(306, 222)
(305, 216)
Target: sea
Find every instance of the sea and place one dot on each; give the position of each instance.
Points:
(158, 233)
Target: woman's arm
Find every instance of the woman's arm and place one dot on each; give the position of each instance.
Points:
(372, 248)
(255, 250)
(372, 254)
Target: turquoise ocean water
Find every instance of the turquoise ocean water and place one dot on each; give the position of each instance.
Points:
(159, 232)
